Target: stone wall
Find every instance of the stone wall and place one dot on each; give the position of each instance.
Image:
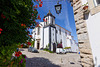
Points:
(82, 34)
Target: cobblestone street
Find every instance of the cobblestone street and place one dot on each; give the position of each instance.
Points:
(45, 59)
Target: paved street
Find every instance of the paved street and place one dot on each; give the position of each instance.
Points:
(45, 59)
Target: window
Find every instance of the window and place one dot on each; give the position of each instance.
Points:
(60, 31)
(52, 20)
(66, 33)
(38, 31)
(71, 41)
(53, 29)
(94, 6)
(46, 21)
(53, 34)
(53, 39)
(98, 1)
(56, 31)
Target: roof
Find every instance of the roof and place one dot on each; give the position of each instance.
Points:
(49, 14)
(63, 28)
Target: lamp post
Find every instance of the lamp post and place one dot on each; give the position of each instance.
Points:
(58, 8)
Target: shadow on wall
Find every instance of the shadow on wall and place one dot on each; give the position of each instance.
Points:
(39, 62)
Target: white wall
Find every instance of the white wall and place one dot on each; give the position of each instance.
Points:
(84, 2)
(74, 46)
(41, 37)
(58, 35)
(33, 35)
(53, 37)
(62, 37)
(93, 26)
(46, 36)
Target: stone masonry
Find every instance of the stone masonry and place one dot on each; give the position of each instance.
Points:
(82, 34)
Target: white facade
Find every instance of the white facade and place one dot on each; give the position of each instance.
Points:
(93, 27)
(49, 34)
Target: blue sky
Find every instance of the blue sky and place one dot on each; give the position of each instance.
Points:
(65, 19)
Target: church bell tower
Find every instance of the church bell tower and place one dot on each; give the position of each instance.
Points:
(49, 19)
(49, 34)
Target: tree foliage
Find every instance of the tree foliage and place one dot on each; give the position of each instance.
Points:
(16, 16)
(16, 13)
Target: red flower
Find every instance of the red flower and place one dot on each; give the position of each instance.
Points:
(28, 43)
(39, 0)
(44, 20)
(36, 0)
(36, 6)
(1, 30)
(22, 24)
(40, 5)
(17, 54)
(39, 17)
(21, 45)
(20, 53)
(3, 16)
(30, 36)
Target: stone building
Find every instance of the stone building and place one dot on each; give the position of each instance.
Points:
(87, 20)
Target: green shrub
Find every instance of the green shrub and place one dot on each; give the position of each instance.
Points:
(32, 43)
(48, 50)
(67, 47)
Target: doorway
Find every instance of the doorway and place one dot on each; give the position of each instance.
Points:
(38, 44)
(54, 47)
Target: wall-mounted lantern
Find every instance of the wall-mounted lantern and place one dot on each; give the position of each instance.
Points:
(58, 8)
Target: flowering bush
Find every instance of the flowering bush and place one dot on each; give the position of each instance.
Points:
(59, 46)
(19, 60)
(16, 18)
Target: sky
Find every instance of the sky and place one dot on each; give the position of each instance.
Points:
(65, 19)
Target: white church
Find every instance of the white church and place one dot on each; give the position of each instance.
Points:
(49, 33)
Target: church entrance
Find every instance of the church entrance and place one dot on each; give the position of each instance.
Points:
(38, 44)
(54, 47)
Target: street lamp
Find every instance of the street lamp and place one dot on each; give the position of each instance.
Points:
(58, 8)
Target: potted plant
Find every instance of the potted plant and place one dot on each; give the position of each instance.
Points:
(85, 6)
